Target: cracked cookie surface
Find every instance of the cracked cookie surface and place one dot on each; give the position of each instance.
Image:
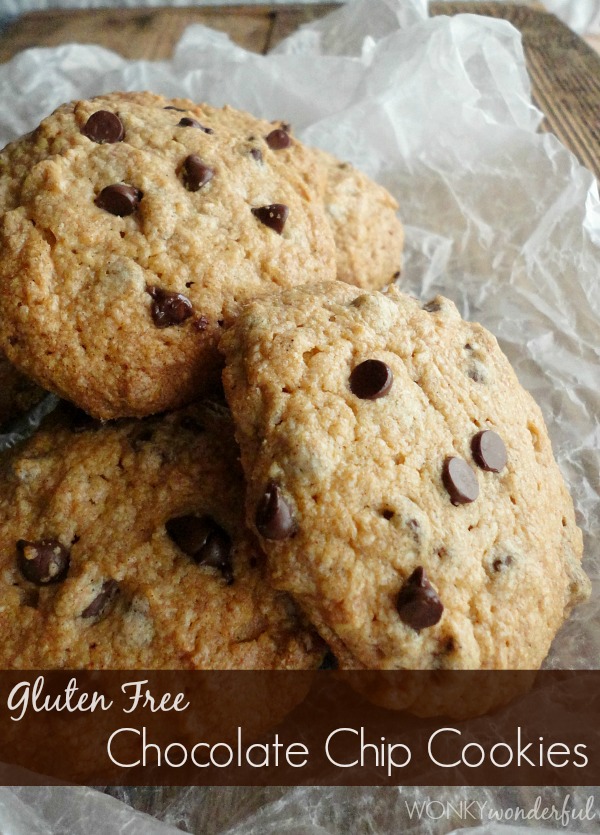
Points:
(401, 480)
(124, 547)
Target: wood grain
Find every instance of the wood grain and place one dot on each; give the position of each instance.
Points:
(564, 70)
(135, 32)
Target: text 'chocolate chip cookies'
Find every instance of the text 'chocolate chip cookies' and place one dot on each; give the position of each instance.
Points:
(125, 547)
(117, 207)
(412, 507)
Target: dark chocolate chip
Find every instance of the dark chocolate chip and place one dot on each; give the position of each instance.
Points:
(196, 173)
(43, 562)
(256, 153)
(274, 216)
(168, 308)
(186, 122)
(216, 553)
(329, 662)
(273, 516)
(119, 199)
(501, 563)
(432, 306)
(178, 109)
(371, 379)
(278, 139)
(103, 600)
(489, 451)
(104, 127)
(418, 604)
(201, 323)
(204, 541)
(460, 481)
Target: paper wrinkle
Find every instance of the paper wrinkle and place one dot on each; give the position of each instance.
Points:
(501, 219)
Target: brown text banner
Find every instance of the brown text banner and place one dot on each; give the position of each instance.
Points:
(293, 728)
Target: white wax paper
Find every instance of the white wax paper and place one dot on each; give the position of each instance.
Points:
(501, 219)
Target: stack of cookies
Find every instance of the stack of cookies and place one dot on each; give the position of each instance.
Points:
(189, 279)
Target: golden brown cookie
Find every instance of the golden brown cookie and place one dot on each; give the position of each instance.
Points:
(133, 228)
(124, 546)
(401, 480)
(368, 235)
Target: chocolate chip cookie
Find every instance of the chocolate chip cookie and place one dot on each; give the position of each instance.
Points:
(368, 235)
(401, 481)
(124, 546)
(133, 228)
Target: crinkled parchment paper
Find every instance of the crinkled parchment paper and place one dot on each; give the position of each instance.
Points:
(500, 218)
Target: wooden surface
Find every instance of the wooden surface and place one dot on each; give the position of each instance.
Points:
(565, 72)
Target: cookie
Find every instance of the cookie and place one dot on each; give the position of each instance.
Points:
(401, 481)
(367, 231)
(124, 546)
(18, 393)
(133, 228)
(368, 234)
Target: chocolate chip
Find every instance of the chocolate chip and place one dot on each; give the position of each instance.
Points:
(460, 481)
(168, 308)
(329, 662)
(186, 122)
(432, 306)
(103, 600)
(489, 451)
(178, 109)
(201, 323)
(104, 127)
(371, 379)
(274, 216)
(273, 516)
(256, 153)
(204, 541)
(196, 173)
(43, 562)
(278, 139)
(119, 199)
(418, 604)
(501, 563)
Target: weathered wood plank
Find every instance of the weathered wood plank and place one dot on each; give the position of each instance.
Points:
(134, 33)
